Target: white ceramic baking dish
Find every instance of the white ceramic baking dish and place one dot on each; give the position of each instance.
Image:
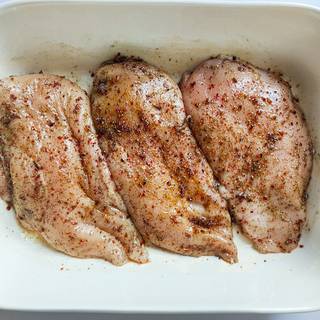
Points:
(72, 38)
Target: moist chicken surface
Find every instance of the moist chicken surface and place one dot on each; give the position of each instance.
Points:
(54, 174)
(256, 141)
(165, 181)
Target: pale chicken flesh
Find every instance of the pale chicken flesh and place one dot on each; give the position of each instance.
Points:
(164, 179)
(248, 126)
(53, 172)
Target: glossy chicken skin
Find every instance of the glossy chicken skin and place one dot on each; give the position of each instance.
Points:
(53, 171)
(256, 141)
(165, 181)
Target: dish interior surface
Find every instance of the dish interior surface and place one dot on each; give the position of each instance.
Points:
(72, 39)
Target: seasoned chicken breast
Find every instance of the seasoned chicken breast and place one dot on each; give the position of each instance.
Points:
(255, 138)
(53, 171)
(164, 179)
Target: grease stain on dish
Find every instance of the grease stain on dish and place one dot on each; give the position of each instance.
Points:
(62, 58)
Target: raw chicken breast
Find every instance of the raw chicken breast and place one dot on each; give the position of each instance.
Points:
(53, 171)
(165, 181)
(257, 143)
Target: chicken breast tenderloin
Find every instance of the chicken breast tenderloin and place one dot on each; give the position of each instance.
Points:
(257, 143)
(53, 171)
(165, 181)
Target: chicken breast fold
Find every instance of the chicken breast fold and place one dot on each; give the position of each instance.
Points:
(247, 124)
(165, 181)
(53, 171)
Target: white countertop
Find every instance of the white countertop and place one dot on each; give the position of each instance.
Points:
(13, 315)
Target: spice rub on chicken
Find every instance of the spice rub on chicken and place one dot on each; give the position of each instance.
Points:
(248, 126)
(164, 179)
(54, 174)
